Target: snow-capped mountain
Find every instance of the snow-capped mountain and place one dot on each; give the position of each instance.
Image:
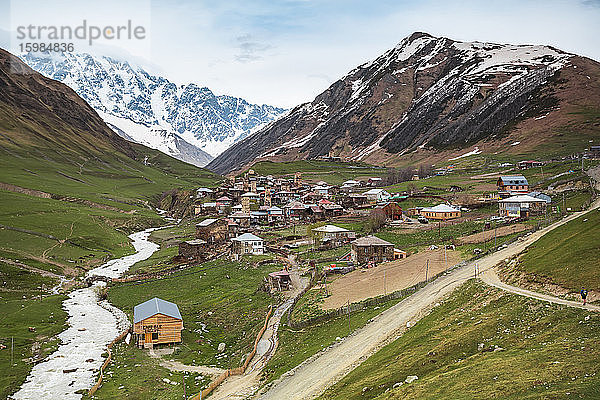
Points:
(426, 96)
(187, 122)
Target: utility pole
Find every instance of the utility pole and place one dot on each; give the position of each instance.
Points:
(349, 330)
(384, 287)
(495, 235)
(12, 346)
(483, 231)
(564, 207)
(427, 271)
(184, 393)
(445, 258)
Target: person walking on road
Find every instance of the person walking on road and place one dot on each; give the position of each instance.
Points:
(583, 294)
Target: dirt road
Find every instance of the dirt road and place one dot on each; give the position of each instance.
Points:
(388, 277)
(312, 377)
(244, 386)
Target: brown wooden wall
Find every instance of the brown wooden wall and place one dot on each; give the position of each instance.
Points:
(168, 328)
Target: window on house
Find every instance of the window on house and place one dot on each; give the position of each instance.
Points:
(155, 336)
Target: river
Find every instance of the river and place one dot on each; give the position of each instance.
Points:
(93, 324)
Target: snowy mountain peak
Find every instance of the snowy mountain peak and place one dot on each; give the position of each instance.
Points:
(425, 94)
(153, 111)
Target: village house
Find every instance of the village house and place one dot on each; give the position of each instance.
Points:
(377, 195)
(284, 197)
(392, 210)
(529, 164)
(441, 212)
(513, 184)
(248, 244)
(330, 209)
(204, 192)
(212, 230)
(371, 249)
(224, 200)
(311, 197)
(333, 236)
(275, 214)
(205, 208)
(259, 217)
(241, 218)
(354, 200)
(296, 210)
(322, 190)
(522, 206)
(193, 249)
(156, 321)
(233, 228)
(375, 181)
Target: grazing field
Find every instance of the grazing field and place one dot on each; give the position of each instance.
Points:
(387, 277)
(22, 308)
(482, 343)
(220, 301)
(568, 256)
(133, 374)
(295, 346)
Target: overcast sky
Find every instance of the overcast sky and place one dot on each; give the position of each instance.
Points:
(284, 52)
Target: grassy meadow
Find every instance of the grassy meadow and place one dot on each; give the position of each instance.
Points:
(482, 343)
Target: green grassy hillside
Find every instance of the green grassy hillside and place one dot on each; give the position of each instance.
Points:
(569, 255)
(483, 343)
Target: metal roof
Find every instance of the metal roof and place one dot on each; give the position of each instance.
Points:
(155, 306)
(195, 242)
(441, 208)
(522, 199)
(330, 229)
(247, 237)
(514, 180)
(206, 222)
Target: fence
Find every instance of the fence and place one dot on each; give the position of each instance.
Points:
(234, 371)
(361, 305)
(106, 362)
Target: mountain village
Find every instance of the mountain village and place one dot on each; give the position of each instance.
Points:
(426, 227)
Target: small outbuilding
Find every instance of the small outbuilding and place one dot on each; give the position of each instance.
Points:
(156, 321)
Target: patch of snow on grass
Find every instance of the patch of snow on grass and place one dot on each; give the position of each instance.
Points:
(471, 153)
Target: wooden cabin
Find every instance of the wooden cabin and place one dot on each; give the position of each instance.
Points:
(156, 321)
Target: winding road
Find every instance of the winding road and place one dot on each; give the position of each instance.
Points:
(312, 377)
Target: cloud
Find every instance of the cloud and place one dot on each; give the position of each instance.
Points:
(250, 49)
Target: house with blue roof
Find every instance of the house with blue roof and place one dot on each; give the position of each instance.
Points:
(156, 321)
